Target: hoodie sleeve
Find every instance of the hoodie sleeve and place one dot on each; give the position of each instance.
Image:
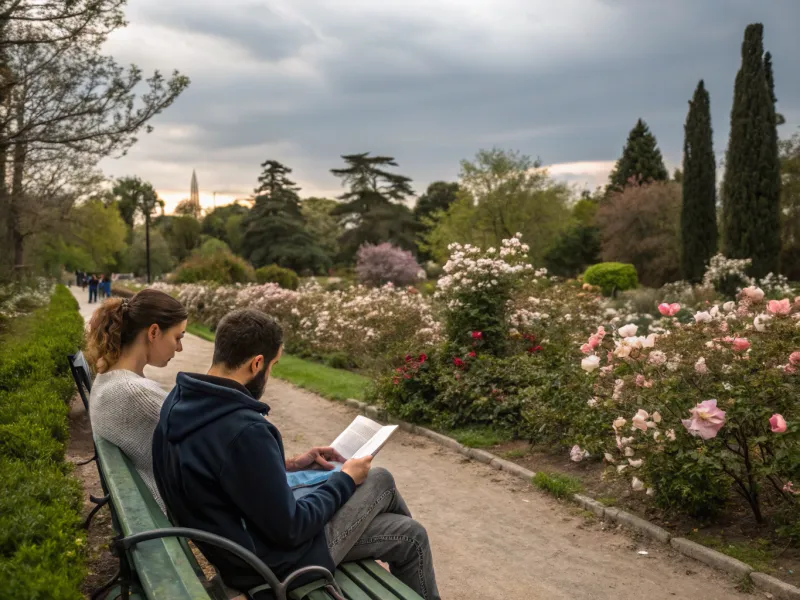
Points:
(254, 476)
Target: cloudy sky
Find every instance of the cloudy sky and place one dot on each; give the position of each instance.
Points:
(430, 82)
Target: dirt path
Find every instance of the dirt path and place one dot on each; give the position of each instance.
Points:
(493, 536)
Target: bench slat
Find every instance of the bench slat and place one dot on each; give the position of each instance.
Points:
(162, 566)
(368, 584)
(389, 581)
(350, 587)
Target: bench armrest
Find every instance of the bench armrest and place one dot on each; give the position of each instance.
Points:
(280, 589)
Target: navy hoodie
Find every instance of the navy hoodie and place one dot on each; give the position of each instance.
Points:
(220, 467)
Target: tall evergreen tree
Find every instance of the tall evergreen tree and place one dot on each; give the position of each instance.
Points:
(751, 189)
(641, 159)
(779, 118)
(699, 208)
(275, 229)
(372, 210)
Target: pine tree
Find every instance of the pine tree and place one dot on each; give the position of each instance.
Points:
(751, 189)
(699, 209)
(275, 229)
(641, 159)
(372, 210)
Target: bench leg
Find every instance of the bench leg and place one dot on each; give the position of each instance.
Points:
(106, 586)
(87, 461)
(100, 502)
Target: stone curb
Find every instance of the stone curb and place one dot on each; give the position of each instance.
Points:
(776, 587)
(711, 557)
(779, 589)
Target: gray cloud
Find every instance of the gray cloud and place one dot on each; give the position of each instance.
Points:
(432, 82)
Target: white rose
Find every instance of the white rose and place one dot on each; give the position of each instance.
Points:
(628, 330)
(590, 363)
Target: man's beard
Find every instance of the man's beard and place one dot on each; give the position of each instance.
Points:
(257, 384)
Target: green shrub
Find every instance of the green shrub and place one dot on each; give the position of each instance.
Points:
(286, 278)
(41, 542)
(340, 360)
(221, 267)
(612, 277)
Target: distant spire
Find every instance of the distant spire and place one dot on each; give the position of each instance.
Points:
(194, 196)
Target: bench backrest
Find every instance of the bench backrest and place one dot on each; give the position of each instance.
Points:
(162, 566)
(82, 376)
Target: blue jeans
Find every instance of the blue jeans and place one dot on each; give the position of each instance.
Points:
(92, 294)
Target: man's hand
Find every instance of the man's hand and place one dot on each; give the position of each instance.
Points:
(318, 456)
(358, 468)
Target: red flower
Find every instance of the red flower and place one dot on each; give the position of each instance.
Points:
(408, 358)
(423, 358)
(472, 354)
(534, 349)
(395, 381)
(458, 362)
(477, 335)
(399, 370)
(407, 376)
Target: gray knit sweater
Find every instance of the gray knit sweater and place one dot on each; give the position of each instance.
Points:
(124, 409)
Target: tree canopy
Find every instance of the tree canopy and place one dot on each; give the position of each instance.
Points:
(372, 209)
(641, 160)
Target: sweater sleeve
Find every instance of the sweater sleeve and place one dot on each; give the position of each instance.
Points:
(254, 476)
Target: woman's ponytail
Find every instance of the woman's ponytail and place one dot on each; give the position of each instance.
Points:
(104, 336)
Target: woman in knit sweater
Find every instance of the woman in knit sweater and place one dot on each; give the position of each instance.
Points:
(124, 336)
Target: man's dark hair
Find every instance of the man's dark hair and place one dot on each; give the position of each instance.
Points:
(246, 333)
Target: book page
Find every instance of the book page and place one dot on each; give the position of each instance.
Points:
(372, 447)
(358, 433)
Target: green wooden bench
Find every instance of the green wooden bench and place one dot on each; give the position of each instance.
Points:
(156, 562)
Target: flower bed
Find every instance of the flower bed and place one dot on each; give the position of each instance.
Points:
(40, 537)
(363, 324)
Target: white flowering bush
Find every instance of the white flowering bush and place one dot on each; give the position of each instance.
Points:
(476, 291)
(19, 299)
(705, 407)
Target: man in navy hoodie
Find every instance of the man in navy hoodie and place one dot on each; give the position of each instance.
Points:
(220, 467)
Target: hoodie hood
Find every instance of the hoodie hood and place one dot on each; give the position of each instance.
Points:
(198, 400)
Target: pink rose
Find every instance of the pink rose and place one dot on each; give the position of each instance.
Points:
(777, 423)
(779, 307)
(789, 369)
(794, 358)
(586, 348)
(706, 420)
(669, 310)
(740, 344)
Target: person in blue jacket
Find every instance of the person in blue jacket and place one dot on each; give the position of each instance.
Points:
(220, 466)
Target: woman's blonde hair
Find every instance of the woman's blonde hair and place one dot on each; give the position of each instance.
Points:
(117, 322)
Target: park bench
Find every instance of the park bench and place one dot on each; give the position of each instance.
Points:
(156, 562)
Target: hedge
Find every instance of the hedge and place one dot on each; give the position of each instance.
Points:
(41, 542)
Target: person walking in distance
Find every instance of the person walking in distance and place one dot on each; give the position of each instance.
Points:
(93, 285)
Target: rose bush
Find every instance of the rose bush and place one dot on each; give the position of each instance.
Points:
(706, 406)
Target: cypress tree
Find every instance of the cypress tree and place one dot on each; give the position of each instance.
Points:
(641, 159)
(751, 189)
(699, 208)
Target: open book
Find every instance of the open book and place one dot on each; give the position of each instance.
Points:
(363, 437)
